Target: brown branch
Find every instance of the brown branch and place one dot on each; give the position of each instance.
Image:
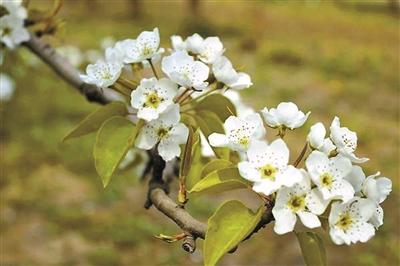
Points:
(65, 70)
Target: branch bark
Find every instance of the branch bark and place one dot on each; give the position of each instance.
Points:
(65, 70)
(158, 186)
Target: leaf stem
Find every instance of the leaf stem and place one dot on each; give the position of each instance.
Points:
(301, 155)
(153, 68)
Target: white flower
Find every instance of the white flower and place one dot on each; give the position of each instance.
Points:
(102, 74)
(377, 218)
(144, 47)
(166, 131)
(301, 200)
(376, 189)
(348, 222)
(194, 43)
(152, 97)
(225, 73)
(285, 115)
(206, 150)
(177, 43)
(241, 108)
(14, 8)
(316, 136)
(328, 175)
(327, 147)
(7, 87)
(239, 132)
(345, 140)
(267, 166)
(184, 70)
(12, 31)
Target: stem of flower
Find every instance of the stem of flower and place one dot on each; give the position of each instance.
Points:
(130, 84)
(153, 68)
(186, 97)
(301, 155)
(202, 96)
(177, 99)
(120, 89)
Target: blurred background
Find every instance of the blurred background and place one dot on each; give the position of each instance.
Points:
(332, 58)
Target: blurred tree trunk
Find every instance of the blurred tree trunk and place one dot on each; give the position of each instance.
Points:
(135, 8)
(194, 7)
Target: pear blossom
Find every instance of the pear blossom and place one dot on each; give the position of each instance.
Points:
(143, 48)
(207, 50)
(177, 43)
(7, 87)
(12, 31)
(316, 139)
(102, 74)
(329, 173)
(152, 97)
(15, 8)
(345, 140)
(376, 189)
(239, 132)
(267, 166)
(286, 115)
(166, 132)
(348, 222)
(298, 200)
(225, 73)
(184, 70)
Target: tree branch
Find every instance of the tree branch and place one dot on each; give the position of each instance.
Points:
(65, 70)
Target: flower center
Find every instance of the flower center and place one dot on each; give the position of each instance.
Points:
(162, 132)
(244, 141)
(153, 100)
(297, 203)
(106, 75)
(326, 179)
(147, 50)
(6, 31)
(344, 222)
(268, 172)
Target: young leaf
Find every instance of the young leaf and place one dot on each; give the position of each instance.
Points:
(210, 123)
(195, 168)
(220, 180)
(187, 155)
(113, 141)
(218, 104)
(312, 248)
(93, 121)
(215, 165)
(229, 225)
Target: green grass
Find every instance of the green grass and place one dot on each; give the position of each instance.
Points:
(330, 60)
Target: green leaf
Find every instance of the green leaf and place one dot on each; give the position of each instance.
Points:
(220, 180)
(92, 122)
(228, 226)
(195, 168)
(218, 104)
(215, 165)
(113, 141)
(210, 123)
(312, 248)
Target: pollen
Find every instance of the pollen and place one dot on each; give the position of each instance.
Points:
(244, 141)
(153, 100)
(326, 180)
(162, 132)
(268, 172)
(345, 221)
(297, 203)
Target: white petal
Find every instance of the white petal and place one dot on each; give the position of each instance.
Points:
(248, 172)
(327, 146)
(267, 187)
(361, 232)
(279, 152)
(290, 176)
(341, 189)
(317, 163)
(146, 138)
(243, 81)
(339, 237)
(257, 151)
(168, 150)
(218, 140)
(377, 218)
(317, 135)
(309, 219)
(340, 167)
(270, 117)
(171, 116)
(356, 177)
(285, 221)
(315, 201)
(179, 134)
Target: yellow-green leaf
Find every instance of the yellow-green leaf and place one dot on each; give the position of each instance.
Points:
(187, 155)
(220, 180)
(113, 140)
(195, 168)
(215, 165)
(218, 104)
(312, 248)
(228, 226)
(93, 121)
(210, 123)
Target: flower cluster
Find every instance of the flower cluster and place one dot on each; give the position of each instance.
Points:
(12, 29)
(329, 177)
(328, 186)
(191, 68)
